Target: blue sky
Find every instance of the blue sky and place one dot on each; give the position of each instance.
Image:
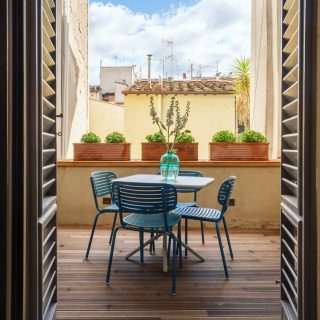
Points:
(149, 6)
(207, 34)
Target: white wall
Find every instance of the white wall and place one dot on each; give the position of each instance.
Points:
(109, 76)
(265, 71)
(76, 87)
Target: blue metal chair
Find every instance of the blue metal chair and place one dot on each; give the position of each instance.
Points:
(186, 173)
(101, 183)
(214, 215)
(150, 205)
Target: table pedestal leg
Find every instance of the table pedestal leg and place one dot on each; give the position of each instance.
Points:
(192, 251)
(164, 250)
(144, 245)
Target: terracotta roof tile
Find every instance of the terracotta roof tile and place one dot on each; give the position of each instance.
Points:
(221, 86)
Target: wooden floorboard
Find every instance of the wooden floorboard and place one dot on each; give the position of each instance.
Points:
(143, 291)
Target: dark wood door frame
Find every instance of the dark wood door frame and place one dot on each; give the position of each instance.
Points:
(4, 159)
(11, 155)
(19, 170)
(309, 124)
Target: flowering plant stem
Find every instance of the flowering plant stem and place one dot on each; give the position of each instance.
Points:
(175, 122)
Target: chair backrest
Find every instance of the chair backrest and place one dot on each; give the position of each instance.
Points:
(187, 173)
(224, 193)
(144, 198)
(101, 182)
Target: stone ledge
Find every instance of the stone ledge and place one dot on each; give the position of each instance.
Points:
(201, 163)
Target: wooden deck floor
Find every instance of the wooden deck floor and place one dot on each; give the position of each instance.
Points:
(143, 291)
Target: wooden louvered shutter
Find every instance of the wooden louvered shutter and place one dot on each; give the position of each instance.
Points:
(47, 220)
(296, 190)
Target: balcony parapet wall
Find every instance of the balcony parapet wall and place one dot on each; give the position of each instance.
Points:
(256, 193)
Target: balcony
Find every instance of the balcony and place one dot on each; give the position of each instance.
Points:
(143, 291)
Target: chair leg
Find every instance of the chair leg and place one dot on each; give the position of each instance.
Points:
(169, 249)
(179, 245)
(92, 233)
(113, 224)
(228, 238)
(173, 292)
(186, 235)
(202, 231)
(141, 236)
(222, 252)
(111, 254)
(152, 247)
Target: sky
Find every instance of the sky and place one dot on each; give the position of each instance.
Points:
(207, 34)
(149, 6)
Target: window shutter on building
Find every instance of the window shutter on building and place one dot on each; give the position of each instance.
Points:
(296, 189)
(47, 220)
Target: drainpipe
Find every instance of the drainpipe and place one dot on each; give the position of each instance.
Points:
(64, 76)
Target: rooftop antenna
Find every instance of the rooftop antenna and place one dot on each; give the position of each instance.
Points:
(170, 44)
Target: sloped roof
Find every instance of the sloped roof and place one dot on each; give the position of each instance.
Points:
(221, 86)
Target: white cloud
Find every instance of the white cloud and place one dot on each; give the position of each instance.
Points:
(209, 31)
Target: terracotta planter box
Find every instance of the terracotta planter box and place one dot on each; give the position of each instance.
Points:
(152, 151)
(248, 151)
(101, 151)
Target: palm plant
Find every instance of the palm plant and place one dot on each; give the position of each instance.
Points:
(241, 86)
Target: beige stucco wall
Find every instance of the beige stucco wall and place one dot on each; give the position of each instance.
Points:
(105, 117)
(76, 78)
(257, 194)
(209, 113)
(265, 71)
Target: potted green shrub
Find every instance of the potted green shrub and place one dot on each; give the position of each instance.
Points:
(252, 146)
(185, 146)
(154, 148)
(115, 148)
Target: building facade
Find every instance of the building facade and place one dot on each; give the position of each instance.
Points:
(74, 74)
(105, 117)
(114, 80)
(212, 105)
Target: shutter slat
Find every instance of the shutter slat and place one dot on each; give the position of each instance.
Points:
(292, 287)
(291, 12)
(294, 308)
(292, 27)
(291, 61)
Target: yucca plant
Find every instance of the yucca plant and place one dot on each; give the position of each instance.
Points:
(241, 86)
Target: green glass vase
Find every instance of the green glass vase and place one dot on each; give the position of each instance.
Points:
(169, 166)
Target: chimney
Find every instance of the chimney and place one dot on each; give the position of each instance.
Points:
(149, 70)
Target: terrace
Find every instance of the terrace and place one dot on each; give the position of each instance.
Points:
(142, 291)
